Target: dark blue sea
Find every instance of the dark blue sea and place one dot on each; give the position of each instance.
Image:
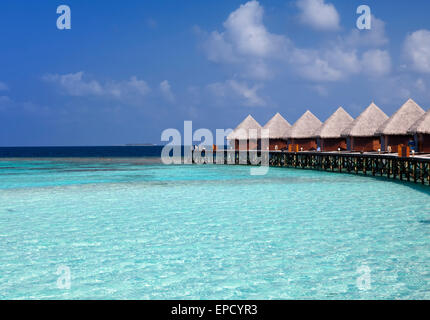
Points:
(81, 152)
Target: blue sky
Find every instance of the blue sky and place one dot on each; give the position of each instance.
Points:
(127, 70)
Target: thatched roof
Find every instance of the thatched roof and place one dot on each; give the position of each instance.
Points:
(242, 130)
(400, 122)
(366, 123)
(334, 126)
(422, 125)
(278, 127)
(305, 127)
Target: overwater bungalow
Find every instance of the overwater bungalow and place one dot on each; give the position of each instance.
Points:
(421, 130)
(394, 131)
(361, 133)
(303, 132)
(279, 131)
(246, 135)
(330, 133)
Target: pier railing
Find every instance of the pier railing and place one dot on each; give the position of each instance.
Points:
(414, 169)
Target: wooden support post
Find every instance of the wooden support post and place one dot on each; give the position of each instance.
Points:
(401, 170)
(421, 173)
(407, 168)
(428, 173)
(390, 166)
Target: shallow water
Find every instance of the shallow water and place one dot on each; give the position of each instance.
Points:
(130, 230)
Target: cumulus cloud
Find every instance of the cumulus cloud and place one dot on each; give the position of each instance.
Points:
(376, 62)
(358, 52)
(318, 14)
(375, 37)
(246, 42)
(313, 65)
(338, 63)
(245, 28)
(167, 91)
(75, 84)
(257, 54)
(218, 49)
(334, 64)
(3, 86)
(247, 95)
(417, 50)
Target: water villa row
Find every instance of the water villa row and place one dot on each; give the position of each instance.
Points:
(408, 128)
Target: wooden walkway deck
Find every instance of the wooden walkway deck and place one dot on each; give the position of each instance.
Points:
(414, 169)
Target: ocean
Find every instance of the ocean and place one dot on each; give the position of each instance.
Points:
(115, 223)
(81, 152)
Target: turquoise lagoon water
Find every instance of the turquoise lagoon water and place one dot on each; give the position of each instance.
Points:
(131, 230)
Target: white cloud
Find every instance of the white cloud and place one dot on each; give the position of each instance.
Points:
(345, 60)
(318, 14)
(245, 28)
(218, 49)
(310, 65)
(375, 37)
(166, 91)
(3, 86)
(417, 50)
(376, 62)
(248, 96)
(131, 87)
(252, 52)
(326, 65)
(346, 56)
(74, 84)
(246, 43)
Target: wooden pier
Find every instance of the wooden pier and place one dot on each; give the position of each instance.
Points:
(414, 169)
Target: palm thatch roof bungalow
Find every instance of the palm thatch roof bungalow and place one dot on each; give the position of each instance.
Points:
(395, 130)
(303, 132)
(361, 133)
(246, 135)
(421, 130)
(279, 131)
(330, 133)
